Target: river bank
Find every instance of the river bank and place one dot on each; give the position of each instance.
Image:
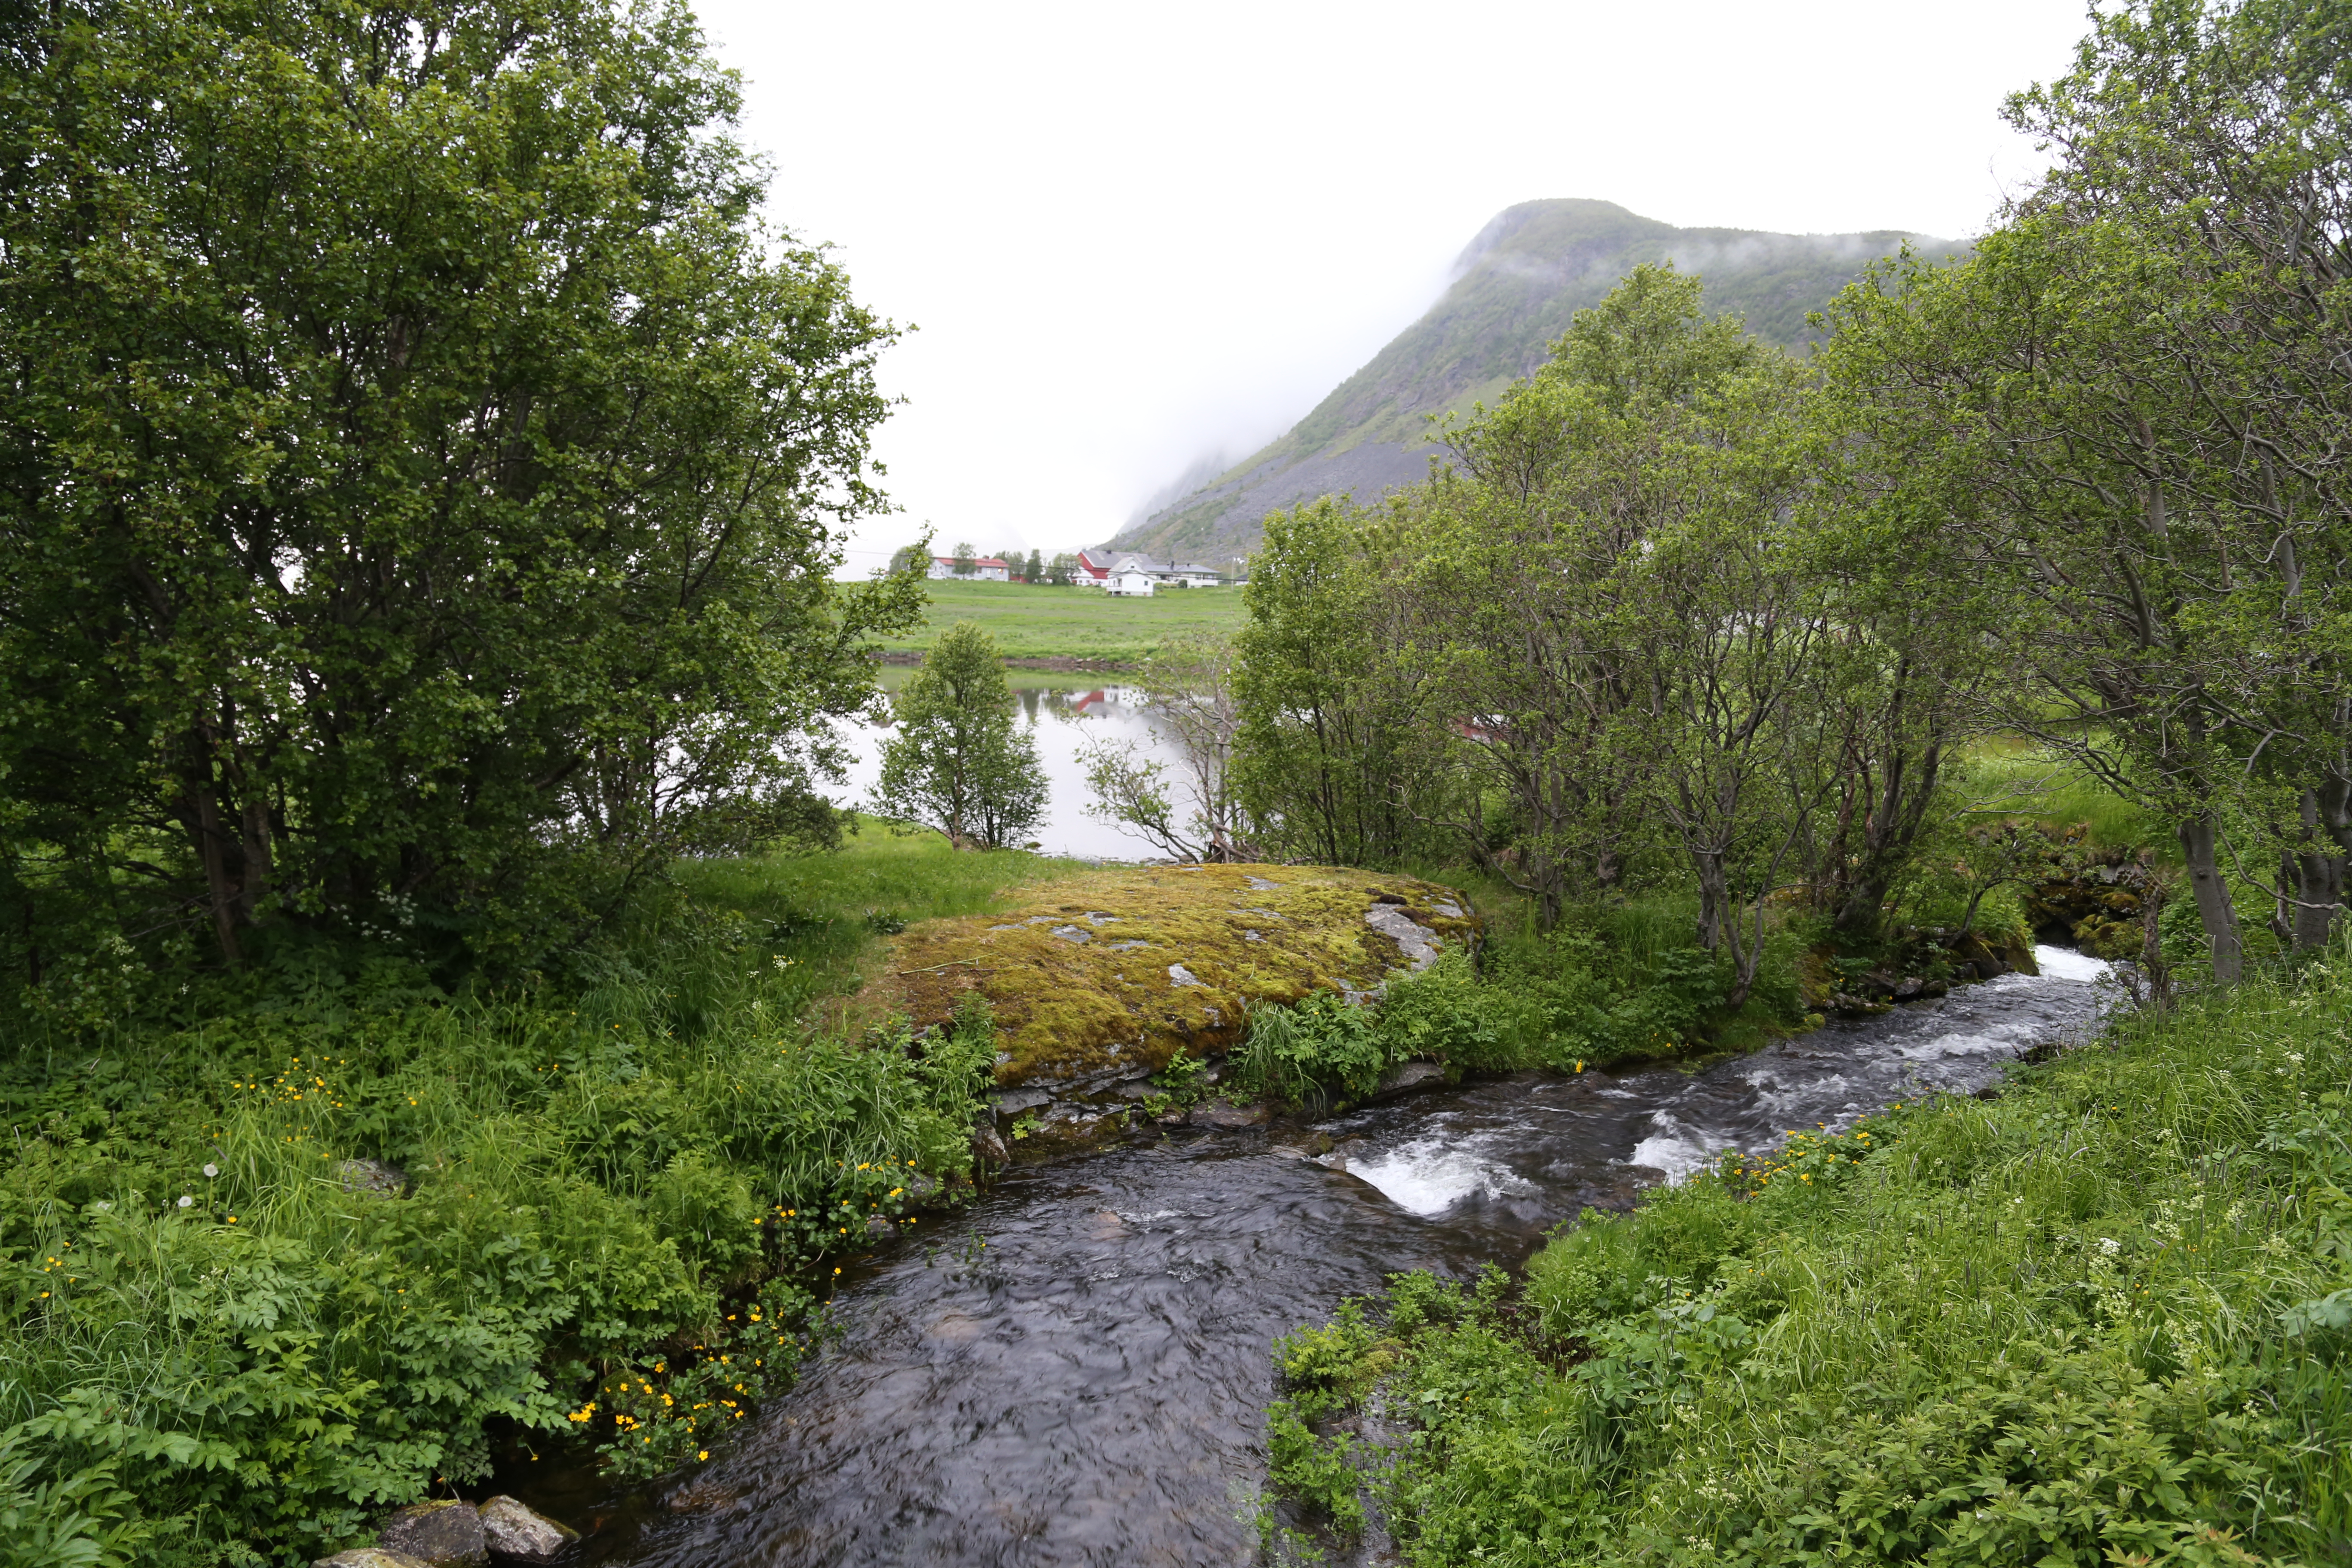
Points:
(2097, 1314)
(1078, 1372)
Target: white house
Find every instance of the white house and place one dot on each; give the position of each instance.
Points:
(984, 569)
(1097, 568)
(1129, 583)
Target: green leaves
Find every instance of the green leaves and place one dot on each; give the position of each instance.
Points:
(420, 476)
(959, 763)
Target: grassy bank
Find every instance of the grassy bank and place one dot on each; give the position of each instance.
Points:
(622, 1188)
(2099, 1319)
(1039, 622)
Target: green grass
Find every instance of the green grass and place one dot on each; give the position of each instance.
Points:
(216, 1353)
(1041, 622)
(2019, 777)
(2101, 1319)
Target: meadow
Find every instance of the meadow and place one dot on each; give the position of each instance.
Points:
(1044, 622)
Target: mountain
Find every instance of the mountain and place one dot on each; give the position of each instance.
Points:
(1515, 289)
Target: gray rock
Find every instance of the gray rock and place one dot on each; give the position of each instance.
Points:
(1910, 988)
(1418, 943)
(521, 1534)
(439, 1534)
(987, 1145)
(1405, 1077)
(1072, 933)
(1013, 1101)
(1224, 1113)
(1259, 883)
(371, 1557)
(1179, 976)
(372, 1176)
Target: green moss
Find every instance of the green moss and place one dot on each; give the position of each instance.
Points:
(1153, 962)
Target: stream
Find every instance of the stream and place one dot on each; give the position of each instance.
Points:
(1089, 1385)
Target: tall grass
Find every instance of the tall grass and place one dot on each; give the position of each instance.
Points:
(2100, 1318)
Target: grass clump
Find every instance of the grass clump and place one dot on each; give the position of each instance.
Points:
(2101, 1319)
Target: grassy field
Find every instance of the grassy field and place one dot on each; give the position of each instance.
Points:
(1074, 623)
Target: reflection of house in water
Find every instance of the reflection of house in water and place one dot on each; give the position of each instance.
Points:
(1103, 699)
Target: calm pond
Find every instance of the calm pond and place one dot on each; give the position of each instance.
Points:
(1063, 713)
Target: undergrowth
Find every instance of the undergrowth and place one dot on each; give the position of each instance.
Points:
(623, 1193)
(2102, 1319)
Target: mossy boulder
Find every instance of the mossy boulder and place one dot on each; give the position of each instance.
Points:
(1114, 972)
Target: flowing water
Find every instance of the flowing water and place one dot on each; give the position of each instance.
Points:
(1089, 1385)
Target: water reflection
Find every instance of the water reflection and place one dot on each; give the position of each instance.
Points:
(1063, 713)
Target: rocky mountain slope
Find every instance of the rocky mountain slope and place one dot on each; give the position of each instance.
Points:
(1516, 288)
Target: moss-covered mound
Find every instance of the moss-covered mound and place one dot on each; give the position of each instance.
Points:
(1118, 971)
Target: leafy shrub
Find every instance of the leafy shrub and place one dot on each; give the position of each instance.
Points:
(618, 1203)
(1447, 1013)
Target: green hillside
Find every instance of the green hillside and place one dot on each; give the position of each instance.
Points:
(1518, 284)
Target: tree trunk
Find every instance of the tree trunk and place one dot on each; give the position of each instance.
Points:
(220, 886)
(1714, 893)
(2314, 881)
(2213, 906)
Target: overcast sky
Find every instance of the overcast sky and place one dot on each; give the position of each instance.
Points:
(1135, 236)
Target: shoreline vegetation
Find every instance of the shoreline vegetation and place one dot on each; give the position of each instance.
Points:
(2098, 1317)
(432, 1029)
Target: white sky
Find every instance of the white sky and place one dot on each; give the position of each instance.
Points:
(1135, 236)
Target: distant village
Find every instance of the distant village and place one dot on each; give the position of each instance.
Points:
(1122, 574)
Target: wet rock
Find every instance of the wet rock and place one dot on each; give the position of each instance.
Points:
(1406, 1077)
(1013, 1102)
(371, 1557)
(520, 1534)
(370, 1176)
(987, 1145)
(439, 1534)
(1910, 988)
(922, 1189)
(1224, 1113)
